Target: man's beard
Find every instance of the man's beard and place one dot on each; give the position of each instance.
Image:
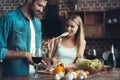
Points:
(36, 13)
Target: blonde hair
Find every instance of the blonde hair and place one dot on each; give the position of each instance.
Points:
(79, 37)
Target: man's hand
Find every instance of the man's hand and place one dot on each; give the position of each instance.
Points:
(29, 56)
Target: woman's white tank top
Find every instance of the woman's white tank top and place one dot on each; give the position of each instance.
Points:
(65, 55)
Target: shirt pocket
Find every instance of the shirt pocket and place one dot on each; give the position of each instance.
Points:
(19, 36)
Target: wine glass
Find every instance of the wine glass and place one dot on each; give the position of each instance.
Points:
(91, 54)
(37, 59)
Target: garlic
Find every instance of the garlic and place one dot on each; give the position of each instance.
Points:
(82, 75)
(71, 76)
(59, 75)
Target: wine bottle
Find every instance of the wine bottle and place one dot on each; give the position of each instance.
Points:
(112, 58)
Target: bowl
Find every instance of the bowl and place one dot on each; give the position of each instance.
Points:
(92, 66)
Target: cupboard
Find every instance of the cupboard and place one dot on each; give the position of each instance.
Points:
(112, 23)
(100, 24)
(93, 22)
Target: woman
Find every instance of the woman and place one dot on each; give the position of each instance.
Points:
(68, 48)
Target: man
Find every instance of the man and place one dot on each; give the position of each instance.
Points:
(20, 35)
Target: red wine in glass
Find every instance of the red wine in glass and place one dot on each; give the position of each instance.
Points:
(91, 57)
(37, 59)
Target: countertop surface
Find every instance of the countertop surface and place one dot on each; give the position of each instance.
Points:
(102, 75)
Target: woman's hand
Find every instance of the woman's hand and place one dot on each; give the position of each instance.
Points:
(46, 60)
(54, 61)
(51, 45)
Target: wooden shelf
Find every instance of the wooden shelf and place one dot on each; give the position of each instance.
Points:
(94, 17)
(93, 31)
(93, 23)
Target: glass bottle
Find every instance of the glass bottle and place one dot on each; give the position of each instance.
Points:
(76, 6)
(112, 58)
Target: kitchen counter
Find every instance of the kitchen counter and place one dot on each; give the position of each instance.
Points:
(102, 75)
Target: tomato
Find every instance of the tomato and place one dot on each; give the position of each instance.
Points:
(87, 73)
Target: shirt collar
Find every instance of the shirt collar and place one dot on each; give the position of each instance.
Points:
(21, 14)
